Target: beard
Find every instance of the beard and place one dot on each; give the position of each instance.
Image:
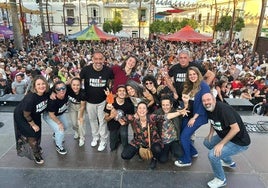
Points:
(210, 107)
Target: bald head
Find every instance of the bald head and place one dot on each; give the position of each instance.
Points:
(209, 102)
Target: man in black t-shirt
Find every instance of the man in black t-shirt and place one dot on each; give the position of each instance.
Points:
(177, 73)
(116, 118)
(231, 138)
(97, 77)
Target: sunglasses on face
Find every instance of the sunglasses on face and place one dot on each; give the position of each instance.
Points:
(147, 83)
(61, 88)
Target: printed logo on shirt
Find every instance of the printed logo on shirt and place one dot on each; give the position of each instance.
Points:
(99, 82)
(72, 99)
(63, 108)
(216, 125)
(41, 106)
(180, 77)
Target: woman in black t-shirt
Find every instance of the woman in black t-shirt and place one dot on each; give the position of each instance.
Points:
(77, 106)
(27, 120)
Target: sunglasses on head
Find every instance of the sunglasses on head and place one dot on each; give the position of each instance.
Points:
(60, 88)
(147, 83)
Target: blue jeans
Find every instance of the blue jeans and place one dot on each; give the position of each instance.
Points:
(228, 150)
(59, 135)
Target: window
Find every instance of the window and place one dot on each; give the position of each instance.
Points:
(143, 15)
(199, 18)
(208, 18)
(70, 12)
(94, 12)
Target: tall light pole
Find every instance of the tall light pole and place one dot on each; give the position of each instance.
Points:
(233, 22)
(80, 20)
(139, 19)
(64, 20)
(23, 19)
(263, 7)
(215, 19)
(48, 25)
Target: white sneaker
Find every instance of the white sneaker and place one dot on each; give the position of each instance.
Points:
(94, 143)
(216, 183)
(224, 164)
(181, 164)
(102, 146)
(76, 136)
(81, 142)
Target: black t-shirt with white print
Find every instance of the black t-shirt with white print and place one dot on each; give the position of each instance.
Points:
(58, 106)
(222, 117)
(75, 98)
(33, 103)
(96, 82)
(179, 75)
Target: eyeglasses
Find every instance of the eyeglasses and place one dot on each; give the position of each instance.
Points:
(61, 88)
(147, 83)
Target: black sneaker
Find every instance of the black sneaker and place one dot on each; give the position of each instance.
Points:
(38, 159)
(53, 137)
(61, 150)
(152, 165)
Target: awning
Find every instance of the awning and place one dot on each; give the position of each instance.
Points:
(175, 10)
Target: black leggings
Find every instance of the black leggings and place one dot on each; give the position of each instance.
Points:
(129, 151)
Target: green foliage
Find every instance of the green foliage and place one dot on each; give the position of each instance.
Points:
(191, 22)
(113, 26)
(224, 24)
(160, 26)
(239, 24)
(107, 26)
(117, 25)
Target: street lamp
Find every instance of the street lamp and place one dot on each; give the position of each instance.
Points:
(22, 19)
(139, 19)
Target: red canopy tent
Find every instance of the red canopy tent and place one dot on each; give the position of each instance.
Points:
(187, 34)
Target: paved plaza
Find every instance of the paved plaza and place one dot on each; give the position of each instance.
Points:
(86, 167)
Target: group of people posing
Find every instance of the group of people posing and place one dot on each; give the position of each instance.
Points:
(162, 114)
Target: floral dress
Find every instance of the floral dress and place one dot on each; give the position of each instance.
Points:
(141, 133)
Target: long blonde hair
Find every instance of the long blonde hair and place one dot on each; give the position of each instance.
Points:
(189, 87)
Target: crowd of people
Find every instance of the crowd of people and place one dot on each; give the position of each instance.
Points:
(157, 88)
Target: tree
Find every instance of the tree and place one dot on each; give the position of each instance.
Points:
(224, 25)
(16, 25)
(191, 22)
(107, 26)
(115, 25)
(239, 24)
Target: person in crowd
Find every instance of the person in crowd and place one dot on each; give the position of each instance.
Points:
(221, 87)
(19, 85)
(2, 70)
(27, 120)
(97, 77)
(194, 89)
(169, 130)
(56, 117)
(77, 108)
(231, 138)
(140, 124)
(4, 87)
(117, 125)
(178, 73)
(127, 71)
(150, 84)
(137, 93)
